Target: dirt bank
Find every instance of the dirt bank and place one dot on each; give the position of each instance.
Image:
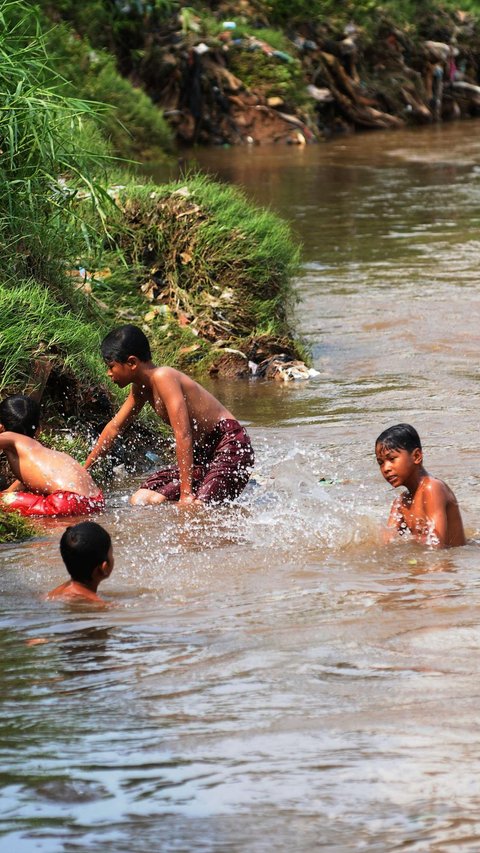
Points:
(222, 81)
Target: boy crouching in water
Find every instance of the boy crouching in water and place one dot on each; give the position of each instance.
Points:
(428, 509)
(214, 453)
(48, 482)
(86, 550)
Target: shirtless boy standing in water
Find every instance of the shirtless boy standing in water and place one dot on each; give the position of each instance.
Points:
(428, 509)
(214, 454)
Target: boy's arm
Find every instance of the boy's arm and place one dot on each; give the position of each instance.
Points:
(435, 505)
(171, 392)
(16, 486)
(125, 415)
(6, 442)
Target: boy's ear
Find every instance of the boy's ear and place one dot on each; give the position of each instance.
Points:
(2, 428)
(133, 361)
(417, 456)
(101, 572)
(105, 569)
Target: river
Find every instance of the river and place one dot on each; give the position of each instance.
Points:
(271, 676)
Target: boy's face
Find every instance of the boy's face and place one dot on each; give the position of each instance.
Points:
(120, 373)
(397, 466)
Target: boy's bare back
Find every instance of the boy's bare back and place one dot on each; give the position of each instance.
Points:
(44, 471)
(72, 591)
(170, 390)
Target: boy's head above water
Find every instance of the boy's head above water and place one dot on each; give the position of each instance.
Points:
(20, 414)
(124, 342)
(86, 550)
(399, 437)
(399, 454)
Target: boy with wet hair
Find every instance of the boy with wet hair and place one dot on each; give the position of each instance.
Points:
(86, 550)
(21, 414)
(428, 509)
(214, 453)
(48, 482)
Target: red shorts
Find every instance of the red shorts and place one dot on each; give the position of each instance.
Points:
(221, 466)
(58, 503)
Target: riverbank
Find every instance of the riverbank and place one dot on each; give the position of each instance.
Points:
(85, 247)
(273, 674)
(206, 274)
(261, 72)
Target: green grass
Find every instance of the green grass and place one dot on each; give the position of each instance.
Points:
(113, 25)
(15, 528)
(132, 125)
(267, 74)
(211, 255)
(218, 261)
(45, 135)
(33, 323)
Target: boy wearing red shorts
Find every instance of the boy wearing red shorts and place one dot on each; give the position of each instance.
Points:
(48, 482)
(214, 453)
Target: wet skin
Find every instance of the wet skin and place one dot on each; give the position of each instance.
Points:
(43, 471)
(74, 590)
(178, 400)
(428, 509)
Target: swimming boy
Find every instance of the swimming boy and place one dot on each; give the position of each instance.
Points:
(428, 509)
(214, 453)
(86, 550)
(48, 482)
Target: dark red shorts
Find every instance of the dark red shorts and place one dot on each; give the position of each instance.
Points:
(58, 503)
(221, 466)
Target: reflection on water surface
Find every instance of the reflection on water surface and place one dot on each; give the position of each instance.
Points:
(272, 677)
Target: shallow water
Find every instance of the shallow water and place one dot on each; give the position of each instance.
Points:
(271, 676)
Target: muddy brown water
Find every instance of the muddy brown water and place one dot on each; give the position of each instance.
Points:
(272, 677)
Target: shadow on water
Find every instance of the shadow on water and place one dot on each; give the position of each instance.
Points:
(270, 675)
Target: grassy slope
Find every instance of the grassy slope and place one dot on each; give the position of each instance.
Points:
(197, 266)
(133, 126)
(224, 262)
(32, 323)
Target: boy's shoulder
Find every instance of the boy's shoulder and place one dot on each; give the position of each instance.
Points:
(166, 370)
(71, 590)
(22, 441)
(436, 488)
(165, 373)
(18, 436)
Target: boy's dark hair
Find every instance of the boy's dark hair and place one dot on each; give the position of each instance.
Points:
(21, 414)
(400, 437)
(124, 341)
(83, 547)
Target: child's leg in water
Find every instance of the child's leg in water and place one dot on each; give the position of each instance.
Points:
(147, 497)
